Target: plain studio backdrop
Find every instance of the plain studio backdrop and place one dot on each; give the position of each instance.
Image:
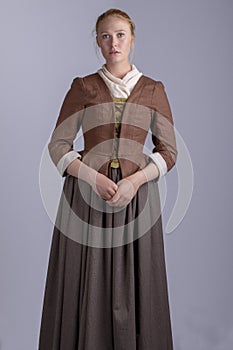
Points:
(186, 44)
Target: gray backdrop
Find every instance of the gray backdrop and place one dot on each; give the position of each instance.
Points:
(186, 44)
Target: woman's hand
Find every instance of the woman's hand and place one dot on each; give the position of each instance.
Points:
(104, 186)
(125, 193)
(119, 194)
(101, 184)
(128, 187)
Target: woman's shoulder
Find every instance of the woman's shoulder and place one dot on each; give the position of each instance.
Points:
(159, 97)
(84, 85)
(92, 88)
(89, 84)
(87, 79)
(153, 81)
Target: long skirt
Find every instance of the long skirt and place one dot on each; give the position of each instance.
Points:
(106, 285)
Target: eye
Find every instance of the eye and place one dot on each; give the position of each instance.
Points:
(120, 35)
(105, 36)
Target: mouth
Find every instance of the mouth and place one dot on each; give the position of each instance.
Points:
(114, 52)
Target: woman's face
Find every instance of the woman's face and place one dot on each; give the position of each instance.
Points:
(115, 39)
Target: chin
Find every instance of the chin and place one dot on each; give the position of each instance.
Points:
(116, 59)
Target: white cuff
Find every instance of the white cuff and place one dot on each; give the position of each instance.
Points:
(65, 161)
(160, 162)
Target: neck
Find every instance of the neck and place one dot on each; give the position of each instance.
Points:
(119, 71)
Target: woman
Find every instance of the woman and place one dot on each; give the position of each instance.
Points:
(106, 285)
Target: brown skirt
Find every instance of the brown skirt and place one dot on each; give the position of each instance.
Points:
(106, 286)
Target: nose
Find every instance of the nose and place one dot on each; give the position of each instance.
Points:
(114, 41)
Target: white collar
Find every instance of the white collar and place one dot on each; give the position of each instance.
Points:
(120, 87)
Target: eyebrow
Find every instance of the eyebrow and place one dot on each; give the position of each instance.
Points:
(119, 30)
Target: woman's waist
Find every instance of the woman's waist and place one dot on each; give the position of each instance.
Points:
(128, 162)
(113, 155)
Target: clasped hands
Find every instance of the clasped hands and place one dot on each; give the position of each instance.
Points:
(117, 195)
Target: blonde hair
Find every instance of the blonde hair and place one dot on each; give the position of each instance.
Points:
(115, 12)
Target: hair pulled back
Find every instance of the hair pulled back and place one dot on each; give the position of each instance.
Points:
(115, 12)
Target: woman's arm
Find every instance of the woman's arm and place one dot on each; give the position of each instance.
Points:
(60, 146)
(67, 126)
(164, 153)
(100, 183)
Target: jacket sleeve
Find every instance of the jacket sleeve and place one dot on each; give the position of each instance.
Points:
(164, 153)
(67, 126)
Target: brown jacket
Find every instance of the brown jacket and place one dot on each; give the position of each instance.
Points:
(88, 104)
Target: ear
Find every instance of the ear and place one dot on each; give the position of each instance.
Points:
(132, 40)
(97, 41)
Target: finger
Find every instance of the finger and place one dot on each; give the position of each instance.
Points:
(112, 192)
(106, 197)
(119, 203)
(114, 199)
(115, 186)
